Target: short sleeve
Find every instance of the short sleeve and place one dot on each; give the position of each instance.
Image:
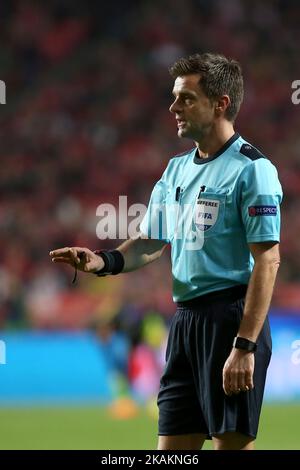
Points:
(260, 198)
(154, 224)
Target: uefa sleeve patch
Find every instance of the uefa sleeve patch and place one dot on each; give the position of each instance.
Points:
(254, 211)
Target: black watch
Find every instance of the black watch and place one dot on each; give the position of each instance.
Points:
(244, 343)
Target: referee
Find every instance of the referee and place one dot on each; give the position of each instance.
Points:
(218, 207)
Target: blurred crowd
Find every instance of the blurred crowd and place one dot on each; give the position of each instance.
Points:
(87, 120)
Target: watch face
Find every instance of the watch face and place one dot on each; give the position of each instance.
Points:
(244, 343)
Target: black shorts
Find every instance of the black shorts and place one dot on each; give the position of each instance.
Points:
(191, 398)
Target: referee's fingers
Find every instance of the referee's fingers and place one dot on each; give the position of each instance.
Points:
(61, 259)
(59, 252)
(249, 379)
(74, 255)
(226, 383)
(67, 253)
(241, 380)
(234, 380)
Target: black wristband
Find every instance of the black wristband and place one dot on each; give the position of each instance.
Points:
(244, 343)
(113, 262)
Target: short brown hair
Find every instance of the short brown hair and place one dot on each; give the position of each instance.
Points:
(219, 76)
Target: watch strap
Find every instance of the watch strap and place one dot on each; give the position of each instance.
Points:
(244, 343)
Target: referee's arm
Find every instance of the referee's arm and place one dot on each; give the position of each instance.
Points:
(239, 367)
(137, 253)
(259, 293)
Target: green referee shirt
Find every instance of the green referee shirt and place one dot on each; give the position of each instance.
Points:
(209, 210)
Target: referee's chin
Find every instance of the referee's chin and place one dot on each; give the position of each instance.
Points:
(182, 133)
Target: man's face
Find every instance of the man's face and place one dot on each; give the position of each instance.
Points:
(193, 111)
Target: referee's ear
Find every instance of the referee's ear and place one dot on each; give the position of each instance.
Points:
(221, 105)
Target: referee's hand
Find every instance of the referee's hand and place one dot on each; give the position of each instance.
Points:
(84, 259)
(238, 372)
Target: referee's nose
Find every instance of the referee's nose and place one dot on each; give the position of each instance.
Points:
(174, 108)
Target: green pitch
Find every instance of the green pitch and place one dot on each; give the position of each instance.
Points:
(93, 428)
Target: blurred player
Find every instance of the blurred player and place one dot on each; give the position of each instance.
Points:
(224, 263)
